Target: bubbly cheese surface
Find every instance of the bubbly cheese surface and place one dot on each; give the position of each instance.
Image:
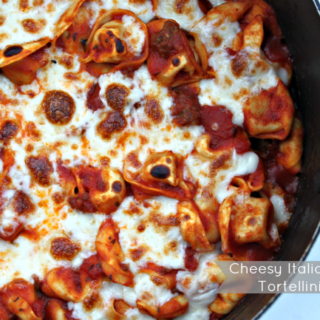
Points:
(78, 143)
(24, 22)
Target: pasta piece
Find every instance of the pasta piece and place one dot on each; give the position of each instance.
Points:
(226, 302)
(19, 297)
(117, 309)
(191, 227)
(160, 275)
(290, 150)
(91, 189)
(172, 60)
(208, 212)
(202, 146)
(274, 46)
(233, 11)
(4, 313)
(73, 285)
(64, 283)
(162, 174)
(57, 310)
(17, 51)
(111, 199)
(24, 71)
(118, 37)
(256, 179)
(244, 220)
(111, 255)
(175, 307)
(74, 39)
(269, 114)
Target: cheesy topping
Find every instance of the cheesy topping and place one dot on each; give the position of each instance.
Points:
(134, 121)
(23, 22)
(229, 88)
(186, 13)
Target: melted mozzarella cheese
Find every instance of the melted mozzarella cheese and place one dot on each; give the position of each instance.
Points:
(79, 143)
(118, 78)
(134, 36)
(186, 13)
(238, 165)
(163, 245)
(8, 215)
(45, 16)
(281, 214)
(143, 9)
(226, 88)
(159, 294)
(25, 258)
(241, 165)
(217, 2)
(198, 288)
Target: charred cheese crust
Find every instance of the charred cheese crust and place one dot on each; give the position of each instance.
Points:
(140, 142)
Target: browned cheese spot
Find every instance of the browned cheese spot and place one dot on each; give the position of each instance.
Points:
(91, 301)
(141, 227)
(64, 249)
(9, 130)
(41, 169)
(154, 111)
(59, 107)
(67, 61)
(238, 64)
(133, 159)
(22, 203)
(29, 147)
(113, 122)
(116, 96)
(37, 3)
(179, 6)
(24, 5)
(216, 39)
(137, 254)
(32, 25)
(57, 197)
(2, 20)
(32, 131)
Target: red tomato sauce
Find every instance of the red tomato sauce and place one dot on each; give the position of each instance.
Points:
(274, 172)
(275, 49)
(190, 261)
(217, 121)
(252, 252)
(91, 179)
(167, 189)
(277, 174)
(164, 44)
(93, 98)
